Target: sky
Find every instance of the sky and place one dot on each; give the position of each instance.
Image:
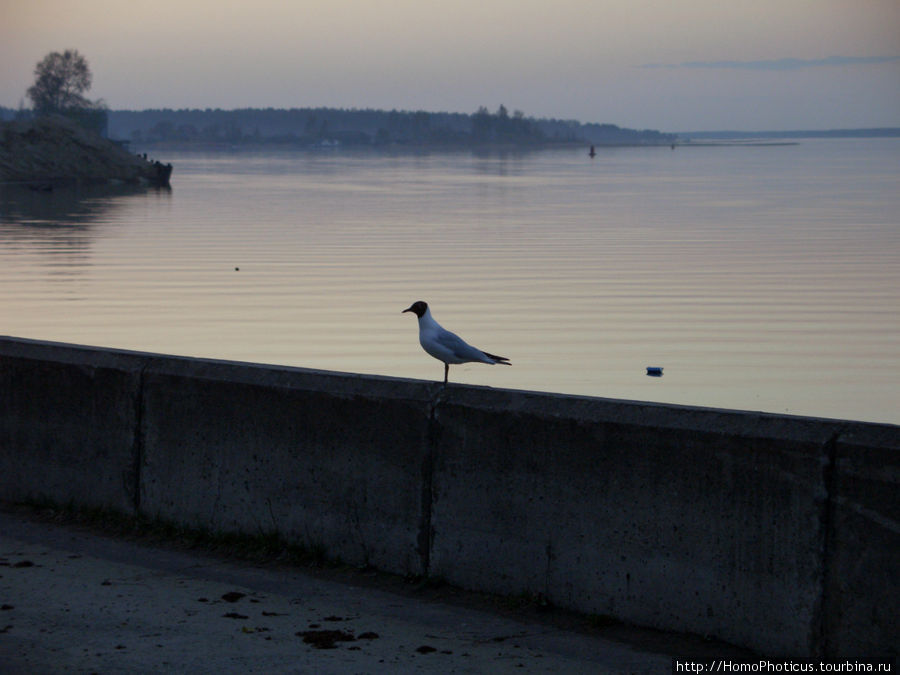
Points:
(671, 65)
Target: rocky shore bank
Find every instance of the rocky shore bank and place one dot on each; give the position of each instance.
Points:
(54, 150)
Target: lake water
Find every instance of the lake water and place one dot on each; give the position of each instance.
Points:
(760, 278)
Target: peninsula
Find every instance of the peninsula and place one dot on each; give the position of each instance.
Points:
(54, 150)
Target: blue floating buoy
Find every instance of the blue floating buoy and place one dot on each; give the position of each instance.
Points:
(654, 371)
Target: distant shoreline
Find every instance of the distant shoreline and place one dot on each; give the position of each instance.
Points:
(735, 143)
(318, 128)
(399, 148)
(403, 130)
(874, 132)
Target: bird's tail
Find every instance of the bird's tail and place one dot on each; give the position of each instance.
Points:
(498, 359)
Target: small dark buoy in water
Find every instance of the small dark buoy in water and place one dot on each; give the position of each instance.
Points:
(237, 269)
(593, 152)
(654, 371)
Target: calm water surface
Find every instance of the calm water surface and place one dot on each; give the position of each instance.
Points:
(760, 278)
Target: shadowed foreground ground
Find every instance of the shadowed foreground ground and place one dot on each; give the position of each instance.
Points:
(75, 600)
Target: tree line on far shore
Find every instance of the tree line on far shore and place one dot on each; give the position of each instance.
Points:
(62, 78)
(338, 126)
(352, 127)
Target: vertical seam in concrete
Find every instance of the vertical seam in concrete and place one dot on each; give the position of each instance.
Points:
(138, 443)
(425, 523)
(829, 478)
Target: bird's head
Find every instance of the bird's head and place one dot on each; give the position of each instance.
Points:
(418, 308)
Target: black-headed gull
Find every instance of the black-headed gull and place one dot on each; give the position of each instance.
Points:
(446, 346)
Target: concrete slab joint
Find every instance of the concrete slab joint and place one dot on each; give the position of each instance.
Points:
(134, 477)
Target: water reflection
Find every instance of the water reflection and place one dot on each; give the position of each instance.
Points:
(57, 228)
(757, 277)
(63, 207)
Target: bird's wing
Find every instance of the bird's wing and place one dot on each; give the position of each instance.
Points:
(459, 347)
(452, 341)
(498, 359)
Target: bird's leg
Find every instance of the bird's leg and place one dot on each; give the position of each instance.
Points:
(446, 372)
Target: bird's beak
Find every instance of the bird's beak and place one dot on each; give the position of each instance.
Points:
(408, 309)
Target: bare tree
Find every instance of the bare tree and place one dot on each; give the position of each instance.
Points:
(59, 82)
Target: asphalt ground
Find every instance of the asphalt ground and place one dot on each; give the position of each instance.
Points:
(74, 599)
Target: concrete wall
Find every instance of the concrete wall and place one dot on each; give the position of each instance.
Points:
(773, 532)
(68, 424)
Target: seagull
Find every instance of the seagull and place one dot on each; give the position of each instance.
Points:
(446, 346)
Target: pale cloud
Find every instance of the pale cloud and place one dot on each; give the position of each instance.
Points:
(783, 64)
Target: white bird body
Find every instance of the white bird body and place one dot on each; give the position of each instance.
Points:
(446, 346)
